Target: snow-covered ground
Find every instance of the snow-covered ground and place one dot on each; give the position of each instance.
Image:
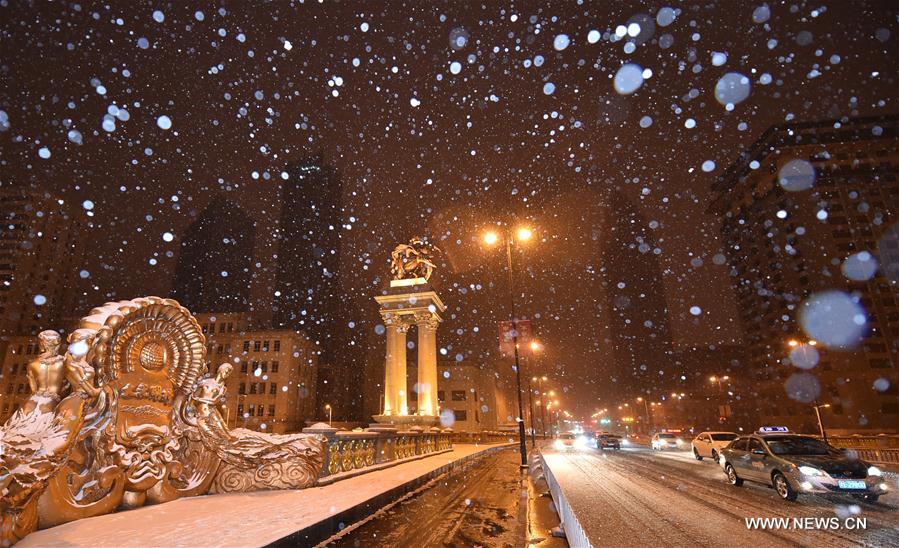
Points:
(636, 497)
(240, 519)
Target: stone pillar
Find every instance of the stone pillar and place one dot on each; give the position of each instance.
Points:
(395, 402)
(427, 364)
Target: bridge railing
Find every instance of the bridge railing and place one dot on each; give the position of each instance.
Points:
(876, 449)
(355, 451)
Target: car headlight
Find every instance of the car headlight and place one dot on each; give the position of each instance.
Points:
(679, 442)
(624, 442)
(874, 471)
(810, 471)
(559, 445)
(580, 441)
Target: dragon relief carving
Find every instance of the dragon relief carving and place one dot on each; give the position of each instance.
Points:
(123, 417)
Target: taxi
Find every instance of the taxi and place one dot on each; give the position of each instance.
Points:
(794, 464)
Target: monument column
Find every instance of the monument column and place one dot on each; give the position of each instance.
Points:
(427, 363)
(395, 402)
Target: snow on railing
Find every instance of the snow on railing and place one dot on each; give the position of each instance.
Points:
(574, 533)
(354, 451)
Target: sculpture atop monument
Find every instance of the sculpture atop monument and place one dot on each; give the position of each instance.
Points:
(137, 423)
(413, 260)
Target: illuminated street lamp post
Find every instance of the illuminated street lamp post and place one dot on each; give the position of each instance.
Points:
(523, 234)
(328, 408)
(718, 379)
(535, 347)
(820, 423)
(648, 416)
(540, 381)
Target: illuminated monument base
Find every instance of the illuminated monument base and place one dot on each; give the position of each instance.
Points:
(406, 303)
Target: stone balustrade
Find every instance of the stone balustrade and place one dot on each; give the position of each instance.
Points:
(354, 451)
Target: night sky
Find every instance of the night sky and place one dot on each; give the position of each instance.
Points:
(525, 125)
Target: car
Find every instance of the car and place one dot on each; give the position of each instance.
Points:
(710, 444)
(608, 441)
(794, 464)
(568, 441)
(665, 440)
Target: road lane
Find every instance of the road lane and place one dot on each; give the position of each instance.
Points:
(639, 497)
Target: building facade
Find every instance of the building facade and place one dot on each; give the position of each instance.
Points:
(14, 389)
(636, 304)
(41, 253)
(469, 396)
(273, 384)
(308, 292)
(214, 267)
(805, 201)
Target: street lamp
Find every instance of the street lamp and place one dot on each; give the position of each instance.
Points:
(328, 407)
(540, 381)
(535, 347)
(648, 416)
(718, 379)
(821, 424)
(523, 234)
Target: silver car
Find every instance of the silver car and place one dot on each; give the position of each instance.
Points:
(794, 464)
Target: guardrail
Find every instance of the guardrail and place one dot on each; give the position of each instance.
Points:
(350, 451)
(876, 456)
(486, 436)
(874, 449)
(574, 533)
(864, 442)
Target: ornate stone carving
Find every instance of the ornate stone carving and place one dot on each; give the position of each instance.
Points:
(136, 424)
(400, 322)
(426, 320)
(413, 260)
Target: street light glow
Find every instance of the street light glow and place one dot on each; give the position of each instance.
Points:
(525, 234)
(491, 237)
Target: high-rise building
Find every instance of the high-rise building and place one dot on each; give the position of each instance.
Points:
(14, 388)
(308, 295)
(214, 268)
(637, 305)
(41, 250)
(273, 382)
(806, 212)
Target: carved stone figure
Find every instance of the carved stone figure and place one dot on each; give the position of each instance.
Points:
(253, 460)
(46, 373)
(136, 424)
(413, 260)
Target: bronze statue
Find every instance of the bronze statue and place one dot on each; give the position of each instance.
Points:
(413, 260)
(46, 373)
(289, 461)
(136, 424)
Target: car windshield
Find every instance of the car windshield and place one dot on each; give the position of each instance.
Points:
(724, 437)
(795, 445)
(666, 436)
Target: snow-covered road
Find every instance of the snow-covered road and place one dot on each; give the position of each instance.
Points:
(637, 497)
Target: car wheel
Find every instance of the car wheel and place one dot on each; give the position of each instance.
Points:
(696, 454)
(783, 487)
(714, 455)
(732, 476)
